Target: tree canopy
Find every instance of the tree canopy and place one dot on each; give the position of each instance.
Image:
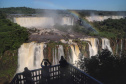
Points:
(11, 34)
(105, 67)
(111, 28)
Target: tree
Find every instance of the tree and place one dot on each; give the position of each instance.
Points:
(106, 68)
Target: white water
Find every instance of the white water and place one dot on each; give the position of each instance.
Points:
(74, 57)
(42, 22)
(106, 44)
(102, 18)
(93, 46)
(30, 55)
(121, 47)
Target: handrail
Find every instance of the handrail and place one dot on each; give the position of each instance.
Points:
(86, 74)
(16, 76)
(58, 72)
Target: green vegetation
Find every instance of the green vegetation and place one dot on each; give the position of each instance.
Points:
(8, 65)
(18, 10)
(111, 28)
(11, 34)
(11, 37)
(105, 67)
(84, 13)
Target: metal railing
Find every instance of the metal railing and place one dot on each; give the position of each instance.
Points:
(68, 74)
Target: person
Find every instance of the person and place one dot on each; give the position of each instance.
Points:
(45, 74)
(46, 61)
(63, 69)
(63, 62)
(27, 75)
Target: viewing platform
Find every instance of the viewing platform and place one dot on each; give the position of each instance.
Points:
(63, 73)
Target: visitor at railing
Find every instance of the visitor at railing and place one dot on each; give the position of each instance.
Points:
(63, 62)
(63, 70)
(27, 75)
(45, 77)
(63, 73)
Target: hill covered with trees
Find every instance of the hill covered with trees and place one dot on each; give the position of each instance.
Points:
(11, 37)
(105, 67)
(111, 28)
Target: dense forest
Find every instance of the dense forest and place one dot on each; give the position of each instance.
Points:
(83, 13)
(18, 10)
(11, 34)
(11, 37)
(105, 67)
(111, 28)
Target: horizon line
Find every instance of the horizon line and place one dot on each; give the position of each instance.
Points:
(68, 9)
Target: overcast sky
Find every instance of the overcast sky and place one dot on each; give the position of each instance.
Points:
(111, 5)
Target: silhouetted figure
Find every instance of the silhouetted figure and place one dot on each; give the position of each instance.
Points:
(45, 72)
(63, 70)
(63, 62)
(27, 75)
(46, 61)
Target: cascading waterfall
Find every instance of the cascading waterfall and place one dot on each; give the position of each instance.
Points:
(121, 47)
(93, 46)
(60, 52)
(30, 55)
(34, 21)
(106, 44)
(57, 54)
(77, 51)
(102, 18)
(116, 47)
(67, 21)
(74, 56)
(55, 61)
(42, 22)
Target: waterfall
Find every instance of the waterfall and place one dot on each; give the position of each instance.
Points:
(116, 47)
(34, 21)
(106, 44)
(102, 18)
(121, 47)
(55, 61)
(57, 54)
(67, 21)
(30, 55)
(77, 51)
(93, 46)
(42, 22)
(74, 56)
(60, 52)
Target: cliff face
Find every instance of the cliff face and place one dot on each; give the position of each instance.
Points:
(118, 46)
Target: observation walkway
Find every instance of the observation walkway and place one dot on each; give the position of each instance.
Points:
(63, 73)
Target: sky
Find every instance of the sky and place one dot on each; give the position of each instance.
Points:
(109, 5)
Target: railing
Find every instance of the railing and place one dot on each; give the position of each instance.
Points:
(57, 75)
(79, 77)
(37, 75)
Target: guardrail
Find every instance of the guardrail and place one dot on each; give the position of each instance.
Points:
(57, 74)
